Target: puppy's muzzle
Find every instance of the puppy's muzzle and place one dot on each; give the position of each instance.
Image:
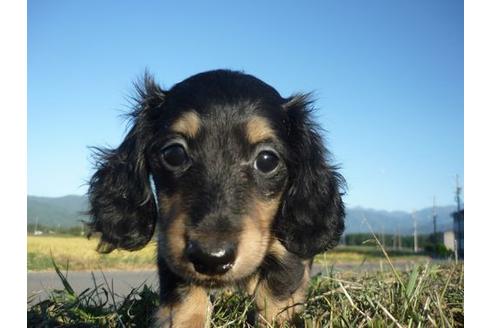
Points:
(211, 259)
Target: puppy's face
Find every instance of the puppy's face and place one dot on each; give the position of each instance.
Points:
(219, 165)
(235, 166)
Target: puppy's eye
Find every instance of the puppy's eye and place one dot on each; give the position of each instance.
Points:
(175, 156)
(266, 161)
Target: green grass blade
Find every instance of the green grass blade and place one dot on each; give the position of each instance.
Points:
(410, 288)
(63, 278)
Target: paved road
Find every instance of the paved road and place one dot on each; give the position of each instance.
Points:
(122, 282)
(39, 284)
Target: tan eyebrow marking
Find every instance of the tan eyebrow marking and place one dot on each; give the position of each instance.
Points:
(187, 124)
(258, 129)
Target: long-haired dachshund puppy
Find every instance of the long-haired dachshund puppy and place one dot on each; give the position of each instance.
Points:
(237, 180)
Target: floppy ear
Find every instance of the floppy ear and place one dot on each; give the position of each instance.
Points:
(312, 216)
(122, 205)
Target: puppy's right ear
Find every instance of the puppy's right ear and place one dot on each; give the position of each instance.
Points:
(122, 205)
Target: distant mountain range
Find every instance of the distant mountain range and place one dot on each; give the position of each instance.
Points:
(68, 211)
(64, 211)
(391, 221)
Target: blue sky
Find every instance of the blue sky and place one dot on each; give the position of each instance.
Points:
(387, 75)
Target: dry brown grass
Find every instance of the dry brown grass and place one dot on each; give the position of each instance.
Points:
(81, 254)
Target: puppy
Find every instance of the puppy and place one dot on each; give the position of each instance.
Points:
(236, 179)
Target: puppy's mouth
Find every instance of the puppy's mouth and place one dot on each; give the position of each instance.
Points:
(220, 277)
(219, 270)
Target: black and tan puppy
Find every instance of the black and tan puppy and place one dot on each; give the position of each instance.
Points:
(243, 194)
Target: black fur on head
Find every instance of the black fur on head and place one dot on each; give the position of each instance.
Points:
(311, 219)
(122, 205)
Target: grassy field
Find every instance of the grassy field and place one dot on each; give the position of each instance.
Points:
(80, 253)
(428, 296)
(359, 254)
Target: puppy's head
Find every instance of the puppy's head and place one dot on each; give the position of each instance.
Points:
(234, 165)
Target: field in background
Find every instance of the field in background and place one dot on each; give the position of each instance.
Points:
(367, 254)
(80, 253)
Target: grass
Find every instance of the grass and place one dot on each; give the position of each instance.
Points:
(427, 296)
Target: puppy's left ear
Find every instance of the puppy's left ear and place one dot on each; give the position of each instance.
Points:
(311, 219)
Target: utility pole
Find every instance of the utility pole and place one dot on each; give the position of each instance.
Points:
(382, 237)
(458, 224)
(394, 239)
(399, 238)
(434, 216)
(415, 237)
(36, 226)
(458, 192)
(434, 220)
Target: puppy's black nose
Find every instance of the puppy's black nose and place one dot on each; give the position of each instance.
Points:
(211, 260)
